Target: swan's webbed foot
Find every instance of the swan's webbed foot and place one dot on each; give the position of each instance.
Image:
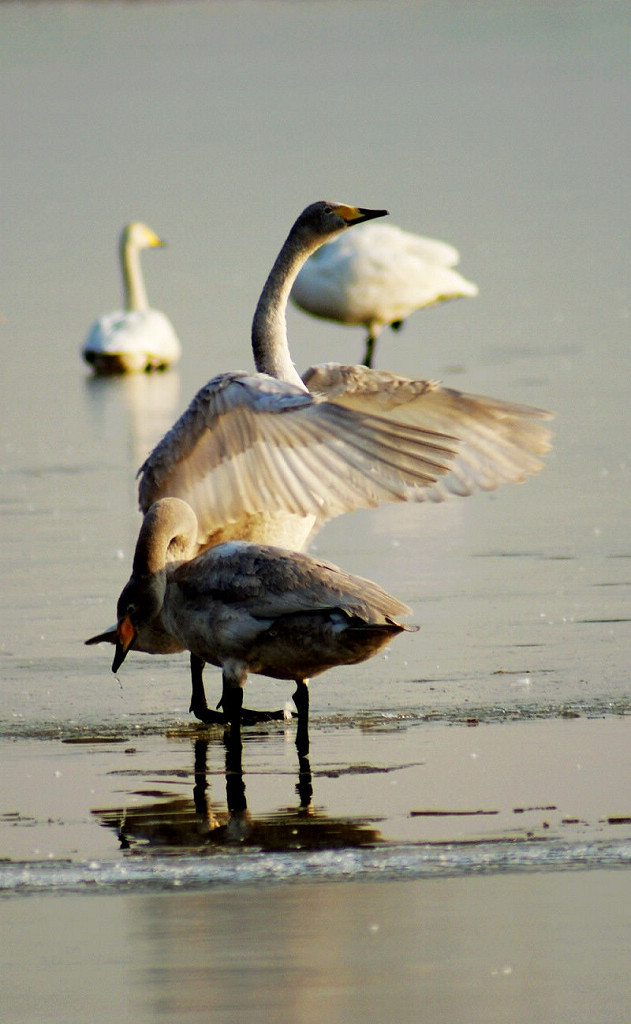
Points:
(251, 717)
(199, 706)
(208, 716)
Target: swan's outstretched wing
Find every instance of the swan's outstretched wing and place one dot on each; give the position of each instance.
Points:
(499, 442)
(250, 450)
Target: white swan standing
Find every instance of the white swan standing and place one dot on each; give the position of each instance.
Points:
(260, 458)
(249, 608)
(136, 338)
(378, 275)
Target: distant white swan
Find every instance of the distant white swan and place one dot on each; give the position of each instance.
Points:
(249, 608)
(378, 275)
(137, 338)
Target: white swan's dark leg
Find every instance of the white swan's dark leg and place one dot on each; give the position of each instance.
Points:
(371, 341)
(234, 679)
(199, 707)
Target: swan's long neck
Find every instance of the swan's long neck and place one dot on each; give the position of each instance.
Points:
(269, 326)
(168, 534)
(133, 282)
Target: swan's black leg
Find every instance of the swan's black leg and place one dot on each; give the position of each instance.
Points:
(232, 702)
(370, 350)
(199, 707)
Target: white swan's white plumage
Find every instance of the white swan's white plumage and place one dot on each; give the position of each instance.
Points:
(378, 275)
(135, 338)
(261, 459)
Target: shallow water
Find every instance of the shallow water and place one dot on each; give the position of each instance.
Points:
(383, 799)
(496, 126)
(475, 949)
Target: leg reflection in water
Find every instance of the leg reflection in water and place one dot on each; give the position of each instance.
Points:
(239, 826)
(183, 824)
(304, 787)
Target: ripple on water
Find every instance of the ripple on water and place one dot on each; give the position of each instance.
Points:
(389, 863)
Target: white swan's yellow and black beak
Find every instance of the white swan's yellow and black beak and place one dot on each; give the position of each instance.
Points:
(357, 214)
(125, 635)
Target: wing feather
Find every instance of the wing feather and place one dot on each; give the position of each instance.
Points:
(250, 446)
(498, 442)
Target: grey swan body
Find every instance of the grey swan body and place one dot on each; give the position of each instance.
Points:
(249, 607)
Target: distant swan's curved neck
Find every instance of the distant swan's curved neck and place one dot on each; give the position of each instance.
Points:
(135, 294)
(269, 326)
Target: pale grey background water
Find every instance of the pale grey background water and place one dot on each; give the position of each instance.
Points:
(500, 127)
